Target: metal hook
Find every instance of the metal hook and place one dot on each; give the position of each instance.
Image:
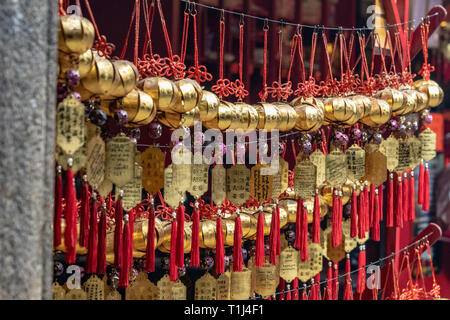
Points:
(241, 20)
(222, 15)
(266, 24)
(187, 8)
(299, 30)
(193, 8)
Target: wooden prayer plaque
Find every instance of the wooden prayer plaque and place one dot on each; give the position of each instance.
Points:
(305, 179)
(153, 162)
(120, 152)
(238, 184)
(260, 185)
(70, 125)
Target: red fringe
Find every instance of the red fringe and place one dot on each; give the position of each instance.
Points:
(304, 253)
(260, 251)
(124, 276)
(354, 216)
(426, 196)
(412, 195)
(376, 219)
(381, 201)
(336, 232)
(390, 203)
(195, 246)
(84, 216)
(328, 291)
(180, 237)
(295, 288)
(372, 206)
(173, 248)
(316, 220)
(273, 239)
(118, 218)
(361, 285)
(278, 231)
(361, 222)
(130, 238)
(317, 286)
(348, 291)
(281, 288)
(366, 210)
(305, 294)
(405, 197)
(399, 202)
(420, 196)
(335, 281)
(237, 245)
(101, 266)
(70, 215)
(150, 249)
(57, 210)
(298, 223)
(93, 239)
(289, 293)
(220, 251)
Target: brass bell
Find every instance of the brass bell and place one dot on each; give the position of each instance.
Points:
(422, 101)
(176, 120)
(380, 113)
(432, 89)
(288, 116)
(239, 118)
(75, 34)
(268, 116)
(248, 116)
(189, 95)
(162, 90)
(138, 105)
(101, 78)
(392, 96)
(83, 63)
(223, 119)
(126, 78)
(208, 106)
(362, 104)
(309, 117)
(166, 231)
(409, 102)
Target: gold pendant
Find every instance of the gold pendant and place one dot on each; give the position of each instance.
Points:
(178, 291)
(415, 146)
(132, 191)
(120, 156)
(94, 288)
(266, 278)
(218, 184)
(288, 264)
(76, 294)
(349, 242)
(280, 180)
(164, 287)
(376, 166)
(336, 168)
(319, 160)
(171, 196)
(305, 179)
(404, 156)
(95, 166)
(238, 184)
(153, 162)
(428, 142)
(199, 180)
(70, 126)
(309, 268)
(105, 188)
(241, 284)
(224, 286)
(58, 292)
(78, 158)
(389, 148)
(206, 288)
(182, 171)
(356, 162)
(260, 185)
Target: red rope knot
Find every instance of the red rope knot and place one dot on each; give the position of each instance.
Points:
(280, 90)
(291, 177)
(150, 66)
(239, 89)
(349, 83)
(173, 67)
(251, 203)
(199, 73)
(426, 71)
(393, 80)
(329, 87)
(309, 88)
(103, 47)
(223, 88)
(164, 212)
(228, 207)
(407, 78)
(263, 94)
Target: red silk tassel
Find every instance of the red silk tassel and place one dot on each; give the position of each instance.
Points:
(335, 281)
(420, 195)
(328, 292)
(273, 240)
(84, 214)
(304, 253)
(173, 248)
(366, 209)
(288, 292)
(237, 245)
(405, 197)
(390, 202)
(361, 285)
(118, 218)
(220, 251)
(372, 206)
(426, 196)
(317, 286)
(348, 291)
(70, 215)
(334, 221)
(130, 238)
(260, 250)
(295, 288)
(57, 209)
(124, 276)
(399, 203)
(361, 227)
(298, 223)
(354, 215)
(180, 237)
(376, 218)
(93, 238)
(412, 195)
(314, 294)
(316, 220)
(150, 249)
(381, 201)
(101, 264)
(281, 289)
(305, 293)
(278, 230)
(195, 246)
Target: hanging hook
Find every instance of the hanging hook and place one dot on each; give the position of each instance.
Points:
(241, 20)
(266, 24)
(187, 8)
(222, 15)
(193, 8)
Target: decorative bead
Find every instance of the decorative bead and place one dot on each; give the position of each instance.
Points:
(72, 77)
(181, 272)
(136, 133)
(414, 126)
(282, 148)
(244, 254)
(356, 134)
(267, 249)
(165, 263)
(58, 268)
(307, 147)
(121, 117)
(155, 130)
(227, 260)
(187, 261)
(98, 117)
(428, 119)
(402, 129)
(133, 274)
(76, 95)
(393, 124)
(377, 138)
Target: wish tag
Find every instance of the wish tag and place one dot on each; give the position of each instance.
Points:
(309, 268)
(164, 287)
(218, 184)
(349, 242)
(280, 180)
(319, 160)
(94, 288)
(146, 290)
(58, 292)
(78, 158)
(182, 169)
(238, 184)
(335, 254)
(336, 168)
(105, 188)
(113, 295)
(266, 279)
(153, 162)
(199, 179)
(206, 288)
(288, 264)
(95, 166)
(376, 167)
(132, 191)
(260, 185)
(356, 162)
(171, 195)
(70, 125)
(241, 284)
(389, 148)
(404, 156)
(428, 143)
(178, 291)
(224, 286)
(305, 179)
(120, 152)
(76, 294)
(415, 152)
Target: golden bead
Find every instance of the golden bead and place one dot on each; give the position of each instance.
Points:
(432, 90)
(126, 78)
(162, 90)
(101, 77)
(208, 106)
(75, 34)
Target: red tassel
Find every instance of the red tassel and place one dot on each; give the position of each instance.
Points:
(366, 208)
(173, 248)
(313, 295)
(220, 251)
(336, 232)
(93, 238)
(101, 266)
(237, 245)
(405, 197)
(376, 218)
(372, 205)
(399, 202)
(354, 215)
(426, 196)
(412, 195)
(130, 238)
(288, 292)
(57, 209)
(298, 223)
(278, 230)
(328, 294)
(281, 289)
(195, 246)
(305, 293)
(361, 226)
(421, 184)
(150, 249)
(316, 220)
(260, 250)
(361, 285)
(124, 276)
(118, 218)
(348, 291)
(180, 236)
(335, 282)
(295, 288)
(381, 201)
(316, 287)
(274, 230)
(84, 214)
(304, 253)
(70, 215)
(390, 202)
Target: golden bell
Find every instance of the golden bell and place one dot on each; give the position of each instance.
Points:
(75, 34)
(208, 234)
(289, 207)
(380, 113)
(166, 234)
(311, 100)
(239, 119)
(223, 119)
(162, 90)
(422, 101)
(177, 120)
(359, 109)
(326, 192)
(189, 95)
(83, 63)
(208, 106)
(140, 232)
(269, 117)
(288, 116)
(339, 109)
(138, 105)
(309, 117)
(101, 77)
(248, 116)
(362, 104)
(392, 96)
(249, 223)
(409, 102)
(432, 90)
(126, 78)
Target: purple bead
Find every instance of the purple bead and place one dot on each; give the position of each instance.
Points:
(209, 262)
(165, 263)
(307, 147)
(76, 95)
(121, 117)
(155, 130)
(365, 136)
(227, 261)
(244, 254)
(98, 117)
(72, 77)
(61, 96)
(58, 268)
(290, 235)
(266, 249)
(428, 119)
(356, 134)
(136, 133)
(187, 261)
(393, 124)
(133, 140)
(62, 88)
(414, 126)
(181, 272)
(377, 138)
(402, 129)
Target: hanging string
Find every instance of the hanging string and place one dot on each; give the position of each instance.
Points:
(424, 33)
(238, 86)
(263, 93)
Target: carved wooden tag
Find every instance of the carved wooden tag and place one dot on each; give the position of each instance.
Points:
(206, 288)
(376, 170)
(336, 168)
(428, 143)
(404, 156)
(218, 184)
(224, 286)
(171, 195)
(260, 185)
(238, 184)
(281, 179)
(153, 162)
(356, 162)
(94, 288)
(288, 264)
(132, 191)
(415, 146)
(241, 284)
(70, 126)
(120, 156)
(389, 148)
(95, 166)
(305, 179)
(319, 160)
(199, 179)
